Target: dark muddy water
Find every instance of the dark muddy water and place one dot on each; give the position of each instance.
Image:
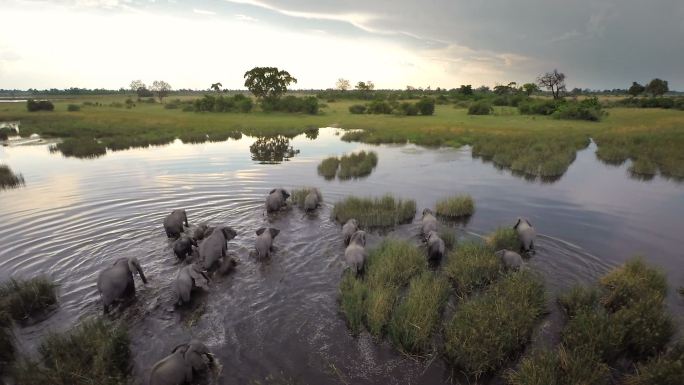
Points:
(280, 317)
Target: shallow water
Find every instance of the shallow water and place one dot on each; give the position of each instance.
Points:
(280, 316)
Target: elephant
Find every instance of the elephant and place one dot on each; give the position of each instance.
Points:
(179, 367)
(429, 222)
(276, 199)
(189, 278)
(349, 229)
(510, 259)
(435, 246)
(526, 234)
(182, 247)
(173, 223)
(312, 200)
(116, 281)
(355, 254)
(214, 246)
(202, 231)
(264, 241)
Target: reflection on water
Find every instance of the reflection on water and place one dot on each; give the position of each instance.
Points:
(272, 149)
(76, 216)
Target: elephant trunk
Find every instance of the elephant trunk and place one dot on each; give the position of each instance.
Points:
(185, 217)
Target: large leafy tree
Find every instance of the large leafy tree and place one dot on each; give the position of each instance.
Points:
(268, 83)
(636, 89)
(161, 89)
(657, 87)
(342, 84)
(554, 82)
(530, 88)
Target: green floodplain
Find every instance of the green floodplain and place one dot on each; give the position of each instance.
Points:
(530, 145)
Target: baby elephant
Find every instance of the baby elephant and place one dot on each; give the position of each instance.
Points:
(264, 241)
(429, 222)
(435, 246)
(182, 247)
(349, 229)
(173, 223)
(190, 277)
(510, 259)
(355, 254)
(202, 231)
(526, 234)
(276, 199)
(312, 200)
(180, 366)
(214, 247)
(116, 281)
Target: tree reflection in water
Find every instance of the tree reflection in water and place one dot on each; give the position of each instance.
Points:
(272, 150)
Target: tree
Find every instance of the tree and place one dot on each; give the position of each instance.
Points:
(161, 88)
(466, 90)
(365, 86)
(216, 86)
(657, 87)
(342, 84)
(554, 82)
(530, 88)
(136, 85)
(268, 83)
(636, 89)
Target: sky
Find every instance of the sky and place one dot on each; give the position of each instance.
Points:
(394, 43)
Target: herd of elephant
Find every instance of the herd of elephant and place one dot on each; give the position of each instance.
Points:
(204, 249)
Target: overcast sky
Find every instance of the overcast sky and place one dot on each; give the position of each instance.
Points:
(395, 43)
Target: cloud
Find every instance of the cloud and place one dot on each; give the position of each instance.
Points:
(203, 12)
(242, 17)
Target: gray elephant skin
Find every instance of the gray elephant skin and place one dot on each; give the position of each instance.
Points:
(180, 366)
(312, 200)
(510, 259)
(214, 247)
(189, 278)
(436, 246)
(202, 231)
(182, 247)
(276, 200)
(264, 241)
(349, 229)
(116, 281)
(173, 223)
(526, 234)
(355, 254)
(429, 222)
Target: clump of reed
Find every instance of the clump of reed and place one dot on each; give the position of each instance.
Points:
(9, 179)
(472, 266)
(80, 148)
(299, 195)
(504, 238)
(457, 206)
(354, 165)
(386, 211)
(328, 167)
(22, 299)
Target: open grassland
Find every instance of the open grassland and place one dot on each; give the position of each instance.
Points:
(534, 146)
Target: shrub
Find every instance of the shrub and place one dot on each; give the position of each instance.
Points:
(41, 105)
(8, 179)
(375, 212)
(416, 317)
(489, 329)
(292, 103)
(73, 107)
(22, 299)
(587, 109)
(408, 109)
(539, 106)
(357, 165)
(456, 206)
(379, 107)
(95, 352)
(357, 109)
(236, 103)
(426, 106)
(480, 108)
(328, 167)
(472, 266)
(504, 238)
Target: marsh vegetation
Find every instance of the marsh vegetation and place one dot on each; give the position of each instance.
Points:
(383, 212)
(8, 179)
(457, 206)
(348, 166)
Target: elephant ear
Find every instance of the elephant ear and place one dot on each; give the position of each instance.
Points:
(194, 355)
(260, 231)
(517, 224)
(229, 233)
(274, 232)
(528, 222)
(285, 193)
(271, 192)
(181, 346)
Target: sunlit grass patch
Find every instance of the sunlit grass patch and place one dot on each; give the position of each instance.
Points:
(393, 263)
(504, 238)
(9, 179)
(357, 165)
(328, 167)
(560, 367)
(299, 195)
(488, 330)
(95, 352)
(456, 207)
(22, 299)
(472, 266)
(417, 316)
(375, 212)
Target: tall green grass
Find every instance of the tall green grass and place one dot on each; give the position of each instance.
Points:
(299, 195)
(353, 294)
(9, 179)
(667, 368)
(472, 266)
(7, 349)
(375, 212)
(456, 206)
(560, 367)
(22, 299)
(356, 165)
(80, 148)
(504, 238)
(328, 167)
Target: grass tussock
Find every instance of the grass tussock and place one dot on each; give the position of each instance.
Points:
(86, 148)
(504, 238)
(631, 282)
(357, 165)
(456, 207)
(560, 367)
(667, 369)
(9, 179)
(375, 212)
(416, 317)
(488, 330)
(22, 299)
(353, 294)
(95, 352)
(299, 195)
(328, 167)
(449, 238)
(472, 266)
(7, 350)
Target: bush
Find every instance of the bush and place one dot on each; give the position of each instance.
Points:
(408, 109)
(379, 107)
(472, 266)
(95, 352)
(290, 103)
(588, 109)
(456, 206)
(375, 212)
(539, 106)
(357, 109)
(41, 105)
(236, 103)
(73, 107)
(328, 167)
(480, 108)
(24, 299)
(426, 106)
